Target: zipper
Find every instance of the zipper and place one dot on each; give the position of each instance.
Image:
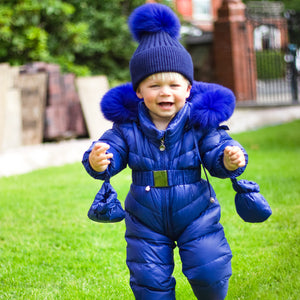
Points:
(162, 146)
(165, 198)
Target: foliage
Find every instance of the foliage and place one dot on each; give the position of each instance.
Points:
(82, 36)
(270, 64)
(50, 250)
(288, 4)
(110, 44)
(294, 26)
(36, 31)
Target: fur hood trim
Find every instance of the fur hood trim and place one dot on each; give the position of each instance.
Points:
(212, 104)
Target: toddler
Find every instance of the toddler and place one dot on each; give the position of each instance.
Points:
(166, 126)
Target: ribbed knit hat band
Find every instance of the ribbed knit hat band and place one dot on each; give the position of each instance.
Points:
(156, 28)
(160, 39)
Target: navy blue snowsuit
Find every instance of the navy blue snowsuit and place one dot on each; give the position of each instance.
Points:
(170, 204)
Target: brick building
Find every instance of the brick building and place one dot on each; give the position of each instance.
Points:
(201, 13)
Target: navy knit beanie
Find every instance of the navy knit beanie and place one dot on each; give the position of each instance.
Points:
(157, 29)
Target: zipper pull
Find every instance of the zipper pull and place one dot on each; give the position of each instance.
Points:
(162, 146)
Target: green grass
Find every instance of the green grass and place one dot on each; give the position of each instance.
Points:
(49, 249)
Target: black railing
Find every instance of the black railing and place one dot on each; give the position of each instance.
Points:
(276, 72)
(277, 80)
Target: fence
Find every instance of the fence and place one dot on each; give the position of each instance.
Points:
(277, 76)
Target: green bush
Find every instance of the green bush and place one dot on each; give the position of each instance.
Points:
(83, 37)
(270, 64)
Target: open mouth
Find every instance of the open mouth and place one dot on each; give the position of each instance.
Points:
(166, 104)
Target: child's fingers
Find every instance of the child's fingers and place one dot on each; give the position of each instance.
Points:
(100, 147)
(239, 159)
(227, 149)
(232, 150)
(240, 162)
(99, 153)
(104, 156)
(235, 155)
(98, 157)
(103, 162)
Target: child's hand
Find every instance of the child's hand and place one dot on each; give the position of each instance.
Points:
(234, 158)
(98, 158)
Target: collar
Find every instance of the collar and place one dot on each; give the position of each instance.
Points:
(172, 132)
(210, 105)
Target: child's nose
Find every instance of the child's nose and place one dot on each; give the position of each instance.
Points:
(165, 91)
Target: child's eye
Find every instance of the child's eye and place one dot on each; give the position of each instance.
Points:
(154, 85)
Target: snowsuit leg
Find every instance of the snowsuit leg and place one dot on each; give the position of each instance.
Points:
(150, 261)
(206, 255)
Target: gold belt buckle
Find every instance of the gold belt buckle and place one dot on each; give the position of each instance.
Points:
(160, 178)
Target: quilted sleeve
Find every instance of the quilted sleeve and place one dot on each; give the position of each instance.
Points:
(212, 151)
(118, 147)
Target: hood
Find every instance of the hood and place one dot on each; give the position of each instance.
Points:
(212, 104)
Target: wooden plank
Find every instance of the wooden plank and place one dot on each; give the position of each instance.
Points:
(55, 122)
(75, 120)
(91, 90)
(55, 85)
(3, 90)
(10, 118)
(33, 101)
(12, 136)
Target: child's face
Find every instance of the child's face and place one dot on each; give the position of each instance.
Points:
(164, 95)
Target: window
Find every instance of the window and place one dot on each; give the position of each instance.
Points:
(202, 9)
(267, 37)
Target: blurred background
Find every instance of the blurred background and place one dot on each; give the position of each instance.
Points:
(57, 59)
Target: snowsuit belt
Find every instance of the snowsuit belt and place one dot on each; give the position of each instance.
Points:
(165, 178)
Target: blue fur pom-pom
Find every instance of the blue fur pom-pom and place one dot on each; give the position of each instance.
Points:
(200, 87)
(153, 18)
(212, 104)
(120, 104)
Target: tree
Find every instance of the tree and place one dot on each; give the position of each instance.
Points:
(82, 36)
(110, 44)
(32, 30)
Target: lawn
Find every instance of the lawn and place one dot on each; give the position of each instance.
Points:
(49, 249)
